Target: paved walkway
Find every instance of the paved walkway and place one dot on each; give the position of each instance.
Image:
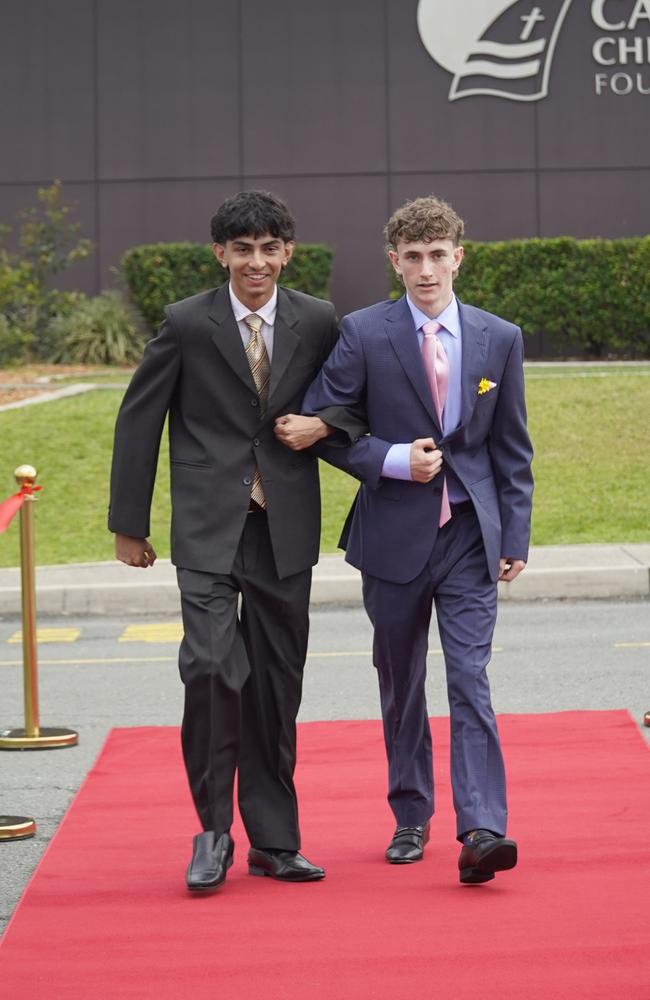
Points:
(553, 572)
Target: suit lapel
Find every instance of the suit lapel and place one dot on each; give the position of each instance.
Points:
(285, 340)
(227, 338)
(475, 342)
(403, 336)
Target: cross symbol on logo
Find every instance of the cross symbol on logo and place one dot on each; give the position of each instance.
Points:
(530, 20)
(494, 48)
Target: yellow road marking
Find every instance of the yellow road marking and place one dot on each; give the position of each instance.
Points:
(631, 645)
(49, 635)
(97, 661)
(350, 652)
(368, 652)
(162, 632)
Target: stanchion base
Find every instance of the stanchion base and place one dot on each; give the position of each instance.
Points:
(646, 719)
(16, 827)
(47, 739)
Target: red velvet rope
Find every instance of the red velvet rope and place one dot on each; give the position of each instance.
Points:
(10, 507)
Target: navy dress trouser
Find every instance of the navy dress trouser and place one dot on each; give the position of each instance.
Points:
(456, 580)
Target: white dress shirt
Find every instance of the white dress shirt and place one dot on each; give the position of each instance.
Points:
(266, 313)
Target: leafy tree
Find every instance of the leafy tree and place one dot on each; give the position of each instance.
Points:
(48, 242)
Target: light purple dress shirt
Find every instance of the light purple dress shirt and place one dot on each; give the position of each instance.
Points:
(397, 464)
(451, 340)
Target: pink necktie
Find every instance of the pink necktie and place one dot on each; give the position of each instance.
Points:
(436, 365)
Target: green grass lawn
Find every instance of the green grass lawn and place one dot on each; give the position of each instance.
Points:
(592, 458)
(592, 467)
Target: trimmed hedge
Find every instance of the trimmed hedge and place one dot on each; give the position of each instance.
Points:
(593, 293)
(159, 273)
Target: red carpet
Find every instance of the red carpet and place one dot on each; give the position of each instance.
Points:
(106, 914)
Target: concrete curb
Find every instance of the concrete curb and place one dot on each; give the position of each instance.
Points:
(110, 588)
(47, 397)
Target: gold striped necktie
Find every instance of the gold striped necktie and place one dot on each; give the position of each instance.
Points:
(258, 359)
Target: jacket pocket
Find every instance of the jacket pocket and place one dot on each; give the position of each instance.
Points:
(485, 491)
(190, 465)
(483, 487)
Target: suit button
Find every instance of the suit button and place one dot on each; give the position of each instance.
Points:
(254, 402)
(247, 480)
(256, 442)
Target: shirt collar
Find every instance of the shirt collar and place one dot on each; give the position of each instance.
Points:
(449, 317)
(267, 311)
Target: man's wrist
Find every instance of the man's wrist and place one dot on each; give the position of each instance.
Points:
(324, 430)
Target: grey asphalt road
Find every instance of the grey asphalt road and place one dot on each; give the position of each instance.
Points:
(549, 656)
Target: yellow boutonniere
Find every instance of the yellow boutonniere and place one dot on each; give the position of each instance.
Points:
(485, 385)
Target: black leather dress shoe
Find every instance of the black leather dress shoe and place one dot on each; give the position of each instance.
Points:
(407, 844)
(287, 866)
(211, 859)
(484, 855)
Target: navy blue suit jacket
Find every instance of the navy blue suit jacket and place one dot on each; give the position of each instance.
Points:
(392, 526)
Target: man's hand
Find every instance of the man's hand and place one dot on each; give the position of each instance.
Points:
(298, 432)
(134, 551)
(426, 460)
(510, 568)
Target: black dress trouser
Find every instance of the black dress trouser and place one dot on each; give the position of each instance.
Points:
(243, 682)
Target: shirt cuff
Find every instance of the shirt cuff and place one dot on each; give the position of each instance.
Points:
(397, 464)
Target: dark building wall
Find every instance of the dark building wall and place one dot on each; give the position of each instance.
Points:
(153, 111)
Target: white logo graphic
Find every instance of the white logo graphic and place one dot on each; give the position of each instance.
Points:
(491, 47)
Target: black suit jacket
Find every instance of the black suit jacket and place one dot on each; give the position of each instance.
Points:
(196, 370)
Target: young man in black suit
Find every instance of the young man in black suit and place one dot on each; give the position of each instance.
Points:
(226, 365)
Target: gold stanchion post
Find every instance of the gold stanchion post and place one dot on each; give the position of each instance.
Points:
(16, 828)
(33, 736)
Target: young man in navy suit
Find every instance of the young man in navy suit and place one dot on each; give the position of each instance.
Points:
(442, 514)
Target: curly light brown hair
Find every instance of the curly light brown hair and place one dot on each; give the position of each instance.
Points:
(424, 219)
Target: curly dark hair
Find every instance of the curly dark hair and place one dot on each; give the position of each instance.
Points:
(253, 213)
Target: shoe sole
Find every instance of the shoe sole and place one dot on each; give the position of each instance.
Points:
(473, 876)
(502, 858)
(262, 872)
